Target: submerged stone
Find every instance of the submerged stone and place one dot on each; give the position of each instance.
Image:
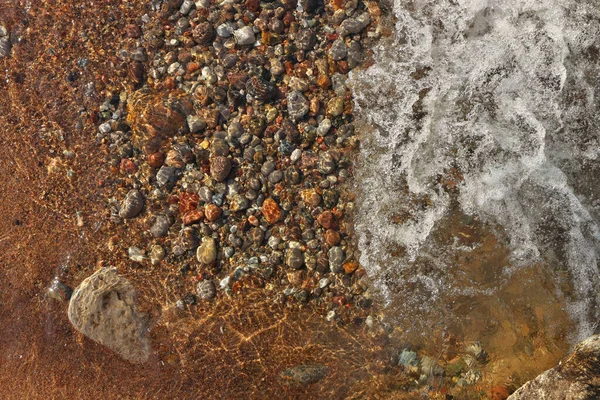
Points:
(104, 308)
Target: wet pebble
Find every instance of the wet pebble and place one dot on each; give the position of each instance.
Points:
(207, 251)
(297, 105)
(294, 258)
(271, 210)
(244, 36)
(335, 107)
(136, 254)
(196, 124)
(219, 168)
(132, 204)
(58, 290)
(354, 25)
(206, 290)
(166, 176)
(160, 227)
(338, 50)
(326, 163)
(336, 259)
(157, 254)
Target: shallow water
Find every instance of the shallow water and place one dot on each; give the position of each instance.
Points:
(478, 212)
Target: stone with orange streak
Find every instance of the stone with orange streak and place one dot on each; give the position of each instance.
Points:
(271, 211)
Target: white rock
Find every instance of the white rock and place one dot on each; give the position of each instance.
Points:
(244, 36)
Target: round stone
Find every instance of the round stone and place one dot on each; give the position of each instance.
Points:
(206, 290)
(326, 163)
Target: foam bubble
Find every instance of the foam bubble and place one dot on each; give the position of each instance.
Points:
(500, 97)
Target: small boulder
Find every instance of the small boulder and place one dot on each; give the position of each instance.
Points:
(104, 308)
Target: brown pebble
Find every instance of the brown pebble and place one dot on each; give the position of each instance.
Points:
(192, 67)
(219, 168)
(326, 220)
(133, 31)
(271, 211)
(188, 202)
(128, 166)
(350, 267)
(212, 212)
(332, 237)
(323, 81)
(192, 216)
(315, 105)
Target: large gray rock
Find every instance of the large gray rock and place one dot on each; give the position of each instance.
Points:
(104, 308)
(577, 377)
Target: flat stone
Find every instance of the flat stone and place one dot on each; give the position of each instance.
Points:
(132, 204)
(104, 308)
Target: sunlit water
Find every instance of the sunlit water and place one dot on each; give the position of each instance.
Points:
(479, 198)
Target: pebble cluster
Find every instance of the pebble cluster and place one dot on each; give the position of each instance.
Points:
(233, 144)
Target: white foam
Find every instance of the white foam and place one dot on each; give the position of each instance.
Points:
(509, 99)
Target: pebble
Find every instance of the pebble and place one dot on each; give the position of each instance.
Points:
(136, 254)
(205, 194)
(212, 212)
(166, 176)
(225, 30)
(332, 237)
(239, 203)
(267, 168)
(295, 156)
(207, 251)
(157, 254)
(5, 46)
(276, 176)
(196, 124)
(219, 168)
(354, 25)
(161, 226)
(338, 50)
(324, 127)
(105, 128)
(186, 7)
(408, 358)
(206, 290)
(336, 259)
(335, 107)
(294, 258)
(244, 36)
(297, 105)
(326, 163)
(132, 204)
(58, 290)
(271, 211)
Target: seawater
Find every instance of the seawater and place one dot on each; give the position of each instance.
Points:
(479, 172)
